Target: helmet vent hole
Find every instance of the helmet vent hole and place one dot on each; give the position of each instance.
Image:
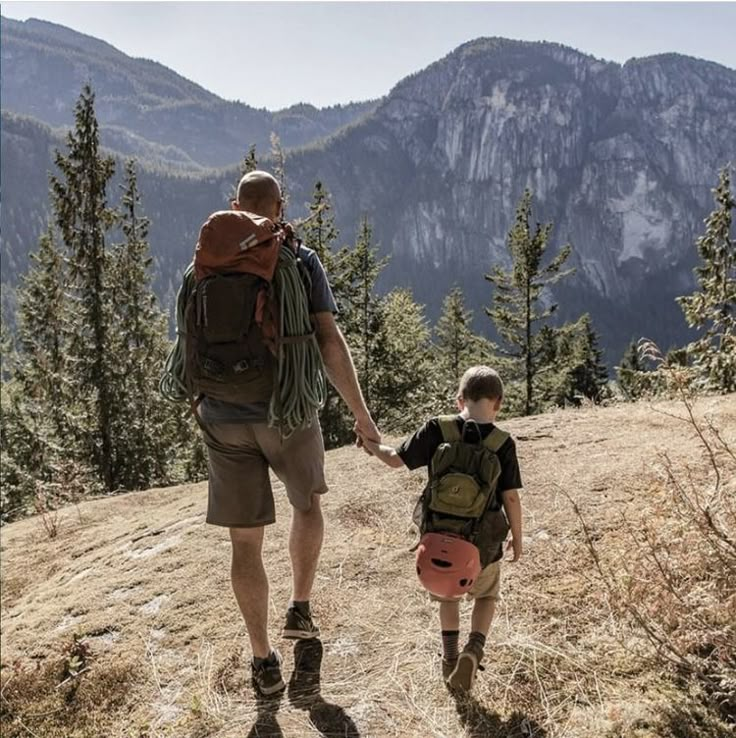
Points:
(441, 563)
(463, 582)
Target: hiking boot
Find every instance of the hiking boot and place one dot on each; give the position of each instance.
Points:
(468, 663)
(299, 625)
(267, 675)
(448, 667)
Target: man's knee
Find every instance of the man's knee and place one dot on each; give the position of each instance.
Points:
(247, 543)
(314, 510)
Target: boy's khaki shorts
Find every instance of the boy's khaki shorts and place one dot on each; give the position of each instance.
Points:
(240, 494)
(486, 586)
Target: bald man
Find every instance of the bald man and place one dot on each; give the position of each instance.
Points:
(240, 496)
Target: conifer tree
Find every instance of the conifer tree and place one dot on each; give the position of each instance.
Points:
(250, 161)
(42, 317)
(515, 310)
(588, 374)
(357, 270)
(83, 219)
(319, 233)
(400, 396)
(142, 424)
(628, 372)
(279, 169)
(712, 309)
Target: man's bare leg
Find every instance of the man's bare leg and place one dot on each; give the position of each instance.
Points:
(250, 585)
(305, 544)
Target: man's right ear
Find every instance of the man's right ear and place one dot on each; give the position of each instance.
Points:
(234, 205)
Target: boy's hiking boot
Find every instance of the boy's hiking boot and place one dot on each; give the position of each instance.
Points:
(267, 675)
(468, 663)
(299, 625)
(448, 666)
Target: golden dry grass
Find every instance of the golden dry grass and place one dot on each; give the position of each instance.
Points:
(145, 583)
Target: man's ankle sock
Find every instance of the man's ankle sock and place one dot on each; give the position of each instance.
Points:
(258, 661)
(301, 606)
(477, 638)
(450, 643)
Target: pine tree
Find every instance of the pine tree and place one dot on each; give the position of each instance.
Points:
(42, 316)
(588, 374)
(629, 372)
(83, 218)
(250, 162)
(401, 356)
(279, 170)
(319, 233)
(142, 424)
(515, 310)
(712, 309)
(356, 272)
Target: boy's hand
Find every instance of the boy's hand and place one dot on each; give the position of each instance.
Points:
(369, 446)
(515, 546)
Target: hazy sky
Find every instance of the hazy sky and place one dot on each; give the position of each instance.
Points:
(278, 53)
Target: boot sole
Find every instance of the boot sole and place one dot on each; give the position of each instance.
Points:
(464, 673)
(303, 635)
(271, 690)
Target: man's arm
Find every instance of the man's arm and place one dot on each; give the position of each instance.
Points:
(341, 373)
(512, 506)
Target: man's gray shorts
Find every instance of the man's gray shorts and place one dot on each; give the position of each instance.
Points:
(240, 494)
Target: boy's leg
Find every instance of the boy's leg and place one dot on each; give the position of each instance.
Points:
(485, 592)
(450, 624)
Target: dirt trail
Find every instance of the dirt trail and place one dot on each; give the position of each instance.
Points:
(147, 583)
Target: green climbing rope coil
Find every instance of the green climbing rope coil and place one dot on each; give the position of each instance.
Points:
(300, 388)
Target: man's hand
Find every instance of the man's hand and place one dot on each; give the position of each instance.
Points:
(515, 545)
(369, 446)
(365, 428)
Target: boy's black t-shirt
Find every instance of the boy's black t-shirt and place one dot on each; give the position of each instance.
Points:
(419, 449)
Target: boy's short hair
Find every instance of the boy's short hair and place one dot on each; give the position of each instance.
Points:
(481, 383)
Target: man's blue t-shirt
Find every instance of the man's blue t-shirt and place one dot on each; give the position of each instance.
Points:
(321, 301)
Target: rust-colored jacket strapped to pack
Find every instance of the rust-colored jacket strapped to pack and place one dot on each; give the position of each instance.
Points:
(227, 244)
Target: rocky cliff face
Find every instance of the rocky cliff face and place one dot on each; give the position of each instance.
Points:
(620, 158)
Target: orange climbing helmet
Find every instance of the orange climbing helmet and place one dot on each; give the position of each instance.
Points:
(447, 565)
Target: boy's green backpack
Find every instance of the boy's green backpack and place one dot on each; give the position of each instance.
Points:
(461, 496)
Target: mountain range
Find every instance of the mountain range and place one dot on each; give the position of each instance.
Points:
(621, 158)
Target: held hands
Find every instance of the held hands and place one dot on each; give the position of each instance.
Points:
(515, 545)
(365, 430)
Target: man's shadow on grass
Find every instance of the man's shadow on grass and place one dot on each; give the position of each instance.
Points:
(304, 693)
(480, 722)
(266, 725)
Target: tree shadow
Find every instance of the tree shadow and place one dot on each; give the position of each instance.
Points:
(266, 725)
(304, 693)
(480, 722)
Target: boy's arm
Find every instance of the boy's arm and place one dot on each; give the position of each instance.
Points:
(512, 506)
(386, 454)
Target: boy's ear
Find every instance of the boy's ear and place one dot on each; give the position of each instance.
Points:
(497, 404)
(460, 402)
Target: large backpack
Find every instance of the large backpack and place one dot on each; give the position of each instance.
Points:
(243, 323)
(461, 496)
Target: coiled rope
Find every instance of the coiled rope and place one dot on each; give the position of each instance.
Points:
(300, 390)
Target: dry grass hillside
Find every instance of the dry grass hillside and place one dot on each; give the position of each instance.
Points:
(124, 623)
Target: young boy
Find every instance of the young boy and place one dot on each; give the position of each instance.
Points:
(479, 399)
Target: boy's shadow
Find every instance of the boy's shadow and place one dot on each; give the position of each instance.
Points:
(304, 693)
(480, 722)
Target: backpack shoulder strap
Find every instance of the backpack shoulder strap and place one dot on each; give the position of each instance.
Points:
(448, 426)
(495, 439)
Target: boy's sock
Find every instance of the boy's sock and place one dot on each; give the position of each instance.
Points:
(258, 661)
(302, 606)
(477, 638)
(450, 643)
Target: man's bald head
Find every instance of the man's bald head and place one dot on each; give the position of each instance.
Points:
(259, 193)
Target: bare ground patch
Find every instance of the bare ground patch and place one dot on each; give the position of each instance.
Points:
(144, 583)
